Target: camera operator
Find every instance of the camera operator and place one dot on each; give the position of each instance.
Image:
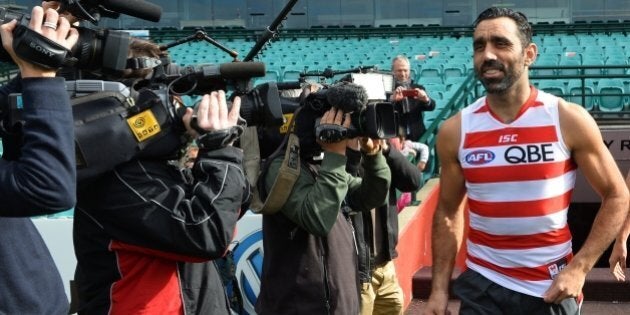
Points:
(37, 173)
(412, 106)
(310, 261)
(145, 234)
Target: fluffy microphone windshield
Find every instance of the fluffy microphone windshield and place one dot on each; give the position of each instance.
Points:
(347, 96)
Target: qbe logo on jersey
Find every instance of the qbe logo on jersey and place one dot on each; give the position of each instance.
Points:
(248, 257)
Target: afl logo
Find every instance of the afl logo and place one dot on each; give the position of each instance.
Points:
(480, 157)
(139, 123)
(248, 256)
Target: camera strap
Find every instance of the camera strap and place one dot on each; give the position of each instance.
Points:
(285, 179)
(39, 50)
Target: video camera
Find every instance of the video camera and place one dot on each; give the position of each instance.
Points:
(101, 49)
(361, 93)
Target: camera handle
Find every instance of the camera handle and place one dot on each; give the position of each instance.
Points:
(77, 10)
(199, 36)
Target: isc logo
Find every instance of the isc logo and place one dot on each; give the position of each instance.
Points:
(480, 157)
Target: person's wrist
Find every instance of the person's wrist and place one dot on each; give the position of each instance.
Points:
(385, 148)
(337, 149)
(28, 72)
(373, 151)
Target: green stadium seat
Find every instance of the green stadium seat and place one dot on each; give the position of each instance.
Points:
(616, 61)
(429, 80)
(433, 87)
(575, 91)
(544, 60)
(569, 61)
(430, 70)
(453, 83)
(555, 87)
(453, 71)
(271, 75)
(611, 98)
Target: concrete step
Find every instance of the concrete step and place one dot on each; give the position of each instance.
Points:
(599, 286)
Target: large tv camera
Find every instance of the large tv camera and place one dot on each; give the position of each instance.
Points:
(97, 49)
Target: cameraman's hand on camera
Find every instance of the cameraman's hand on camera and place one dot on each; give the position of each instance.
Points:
(213, 115)
(335, 116)
(62, 34)
(56, 5)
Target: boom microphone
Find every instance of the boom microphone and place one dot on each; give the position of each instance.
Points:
(347, 96)
(136, 8)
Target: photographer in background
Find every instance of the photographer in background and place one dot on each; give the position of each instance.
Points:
(145, 233)
(411, 106)
(310, 261)
(37, 172)
(377, 234)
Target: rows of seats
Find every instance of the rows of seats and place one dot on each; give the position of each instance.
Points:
(584, 50)
(438, 63)
(605, 95)
(434, 60)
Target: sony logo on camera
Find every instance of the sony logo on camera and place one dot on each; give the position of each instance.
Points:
(41, 50)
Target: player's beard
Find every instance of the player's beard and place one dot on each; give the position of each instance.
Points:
(497, 85)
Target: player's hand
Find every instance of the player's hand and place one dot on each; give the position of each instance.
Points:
(437, 305)
(567, 284)
(617, 260)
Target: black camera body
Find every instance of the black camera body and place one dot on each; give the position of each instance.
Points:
(371, 116)
(97, 49)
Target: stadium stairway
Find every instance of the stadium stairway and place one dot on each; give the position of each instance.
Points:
(603, 294)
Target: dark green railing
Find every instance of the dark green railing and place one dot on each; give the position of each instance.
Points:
(463, 96)
(582, 76)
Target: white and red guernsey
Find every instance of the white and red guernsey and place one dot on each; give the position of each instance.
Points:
(519, 180)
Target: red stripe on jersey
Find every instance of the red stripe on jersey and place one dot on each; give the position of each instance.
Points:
(511, 136)
(520, 209)
(522, 273)
(550, 238)
(518, 172)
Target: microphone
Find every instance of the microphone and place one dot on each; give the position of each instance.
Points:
(231, 70)
(242, 70)
(347, 96)
(136, 8)
(210, 77)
